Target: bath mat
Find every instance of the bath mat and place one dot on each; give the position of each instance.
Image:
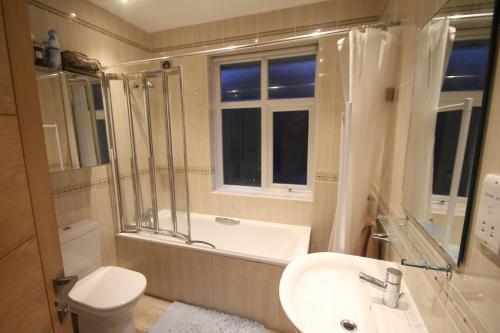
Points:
(185, 318)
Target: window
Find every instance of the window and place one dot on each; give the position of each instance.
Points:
(467, 66)
(465, 77)
(445, 148)
(264, 106)
(241, 146)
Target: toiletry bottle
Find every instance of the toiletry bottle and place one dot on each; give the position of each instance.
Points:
(54, 50)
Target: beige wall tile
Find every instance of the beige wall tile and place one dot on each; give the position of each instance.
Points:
(231, 285)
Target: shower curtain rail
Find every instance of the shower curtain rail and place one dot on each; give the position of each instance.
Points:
(305, 37)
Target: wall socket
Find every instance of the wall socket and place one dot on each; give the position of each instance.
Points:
(488, 224)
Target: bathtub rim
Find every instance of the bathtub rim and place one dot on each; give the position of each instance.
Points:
(147, 236)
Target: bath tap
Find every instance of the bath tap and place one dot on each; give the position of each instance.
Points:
(390, 287)
(148, 217)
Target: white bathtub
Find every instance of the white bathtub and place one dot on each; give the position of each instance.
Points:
(260, 241)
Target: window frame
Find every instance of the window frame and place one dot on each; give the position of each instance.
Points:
(267, 107)
(439, 202)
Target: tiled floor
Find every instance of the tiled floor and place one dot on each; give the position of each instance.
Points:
(149, 310)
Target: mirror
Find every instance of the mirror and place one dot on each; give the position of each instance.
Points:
(74, 120)
(446, 124)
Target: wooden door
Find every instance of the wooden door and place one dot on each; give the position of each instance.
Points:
(29, 247)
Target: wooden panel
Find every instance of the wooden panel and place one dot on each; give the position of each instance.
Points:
(23, 305)
(7, 105)
(16, 218)
(17, 32)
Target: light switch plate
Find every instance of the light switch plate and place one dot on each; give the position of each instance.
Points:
(488, 224)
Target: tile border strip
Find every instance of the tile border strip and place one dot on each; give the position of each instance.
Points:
(202, 171)
(270, 33)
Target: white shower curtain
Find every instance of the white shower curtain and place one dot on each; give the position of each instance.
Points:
(368, 61)
(435, 41)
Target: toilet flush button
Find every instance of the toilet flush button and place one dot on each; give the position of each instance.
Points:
(488, 223)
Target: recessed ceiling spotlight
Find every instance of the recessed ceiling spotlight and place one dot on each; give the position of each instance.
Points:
(72, 14)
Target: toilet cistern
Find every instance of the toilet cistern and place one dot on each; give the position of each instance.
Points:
(391, 286)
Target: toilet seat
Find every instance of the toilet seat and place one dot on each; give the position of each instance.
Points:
(107, 289)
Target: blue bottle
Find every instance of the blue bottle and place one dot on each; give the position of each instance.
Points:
(54, 50)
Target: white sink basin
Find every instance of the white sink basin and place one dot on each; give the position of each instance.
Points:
(319, 290)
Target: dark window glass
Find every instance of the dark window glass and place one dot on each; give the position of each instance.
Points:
(97, 96)
(445, 147)
(290, 140)
(292, 77)
(103, 141)
(241, 146)
(467, 66)
(240, 82)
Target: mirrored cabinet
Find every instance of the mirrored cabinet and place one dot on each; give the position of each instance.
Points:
(74, 120)
(450, 92)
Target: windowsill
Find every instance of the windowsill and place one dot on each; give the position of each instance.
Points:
(270, 193)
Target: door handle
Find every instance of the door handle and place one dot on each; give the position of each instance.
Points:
(62, 286)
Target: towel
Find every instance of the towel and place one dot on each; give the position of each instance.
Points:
(369, 247)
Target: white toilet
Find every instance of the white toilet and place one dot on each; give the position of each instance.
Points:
(104, 297)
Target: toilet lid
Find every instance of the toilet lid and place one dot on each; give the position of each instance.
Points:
(108, 288)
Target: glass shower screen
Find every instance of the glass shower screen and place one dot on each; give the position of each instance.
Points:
(148, 140)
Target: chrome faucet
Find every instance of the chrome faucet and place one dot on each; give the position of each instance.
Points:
(390, 287)
(148, 218)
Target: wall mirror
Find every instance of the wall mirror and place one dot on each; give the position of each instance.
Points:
(451, 85)
(74, 120)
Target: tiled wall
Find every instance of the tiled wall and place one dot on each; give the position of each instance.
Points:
(318, 213)
(469, 302)
(102, 35)
(268, 25)
(85, 193)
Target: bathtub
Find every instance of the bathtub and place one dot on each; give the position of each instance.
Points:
(260, 241)
(240, 276)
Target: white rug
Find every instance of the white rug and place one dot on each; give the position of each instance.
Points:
(184, 318)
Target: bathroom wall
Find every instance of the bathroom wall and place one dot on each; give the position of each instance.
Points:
(468, 302)
(319, 212)
(268, 25)
(85, 193)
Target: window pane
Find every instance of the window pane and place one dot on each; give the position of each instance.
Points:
(240, 82)
(292, 77)
(467, 66)
(102, 140)
(445, 147)
(241, 146)
(97, 96)
(290, 141)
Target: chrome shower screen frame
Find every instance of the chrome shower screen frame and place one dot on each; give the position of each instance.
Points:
(142, 76)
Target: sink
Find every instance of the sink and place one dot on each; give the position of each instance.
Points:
(321, 292)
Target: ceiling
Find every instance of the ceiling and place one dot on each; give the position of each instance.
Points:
(156, 15)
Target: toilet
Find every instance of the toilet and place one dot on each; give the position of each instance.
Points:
(104, 296)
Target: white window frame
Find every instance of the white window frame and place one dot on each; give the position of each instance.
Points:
(267, 107)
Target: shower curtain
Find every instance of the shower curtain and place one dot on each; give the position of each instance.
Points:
(435, 41)
(368, 60)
